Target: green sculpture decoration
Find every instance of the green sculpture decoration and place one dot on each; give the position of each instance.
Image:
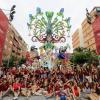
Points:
(48, 28)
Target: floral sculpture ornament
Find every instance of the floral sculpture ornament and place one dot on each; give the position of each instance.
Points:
(49, 29)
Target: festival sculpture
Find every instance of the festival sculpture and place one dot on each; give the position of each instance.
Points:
(48, 28)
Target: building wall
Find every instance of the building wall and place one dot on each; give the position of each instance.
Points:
(96, 30)
(3, 32)
(91, 31)
(88, 35)
(14, 44)
(77, 38)
(81, 37)
(8, 45)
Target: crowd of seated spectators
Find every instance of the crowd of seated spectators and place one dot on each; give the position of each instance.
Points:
(63, 83)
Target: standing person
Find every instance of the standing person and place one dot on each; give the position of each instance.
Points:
(75, 91)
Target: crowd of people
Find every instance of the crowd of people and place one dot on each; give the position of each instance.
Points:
(64, 83)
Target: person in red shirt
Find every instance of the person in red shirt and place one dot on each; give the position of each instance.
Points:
(14, 71)
(50, 91)
(23, 87)
(57, 88)
(36, 89)
(16, 88)
(29, 89)
(75, 90)
(5, 88)
(67, 86)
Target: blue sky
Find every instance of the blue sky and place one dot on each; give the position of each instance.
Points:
(73, 8)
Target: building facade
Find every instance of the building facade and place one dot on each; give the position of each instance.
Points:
(14, 45)
(77, 38)
(90, 32)
(88, 35)
(96, 28)
(3, 32)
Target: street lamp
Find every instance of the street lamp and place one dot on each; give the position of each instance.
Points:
(12, 12)
(89, 17)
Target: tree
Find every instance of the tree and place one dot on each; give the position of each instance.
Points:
(22, 61)
(10, 62)
(83, 55)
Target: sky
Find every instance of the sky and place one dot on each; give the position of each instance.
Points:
(72, 8)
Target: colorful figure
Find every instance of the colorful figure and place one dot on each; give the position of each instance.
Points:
(32, 55)
(63, 54)
(48, 30)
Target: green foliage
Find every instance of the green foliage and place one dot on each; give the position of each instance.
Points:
(22, 61)
(4, 62)
(10, 62)
(83, 55)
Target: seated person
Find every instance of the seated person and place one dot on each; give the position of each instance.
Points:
(36, 90)
(16, 89)
(96, 95)
(87, 88)
(5, 87)
(67, 87)
(50, 91)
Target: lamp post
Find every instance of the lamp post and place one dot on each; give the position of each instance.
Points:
(11, 12)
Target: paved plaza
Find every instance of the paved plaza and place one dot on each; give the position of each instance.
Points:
(82, 97)
(30, 98)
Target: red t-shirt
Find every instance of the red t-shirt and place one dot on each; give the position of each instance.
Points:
(16, 86)
(4, 87)
(66, 86)
(22, 85)
(50, 89)
(76, 92)
(13, 72)
(57, 87)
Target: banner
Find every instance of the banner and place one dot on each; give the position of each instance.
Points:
(3, 32)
